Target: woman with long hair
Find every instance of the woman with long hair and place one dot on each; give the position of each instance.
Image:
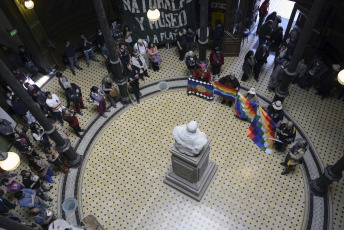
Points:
(153, 56)
(248, 65)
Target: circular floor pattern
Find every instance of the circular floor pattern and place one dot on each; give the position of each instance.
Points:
(123, 184)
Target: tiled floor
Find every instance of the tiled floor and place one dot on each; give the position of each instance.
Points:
(247, 191)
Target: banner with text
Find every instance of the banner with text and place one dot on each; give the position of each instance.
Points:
(174, 15)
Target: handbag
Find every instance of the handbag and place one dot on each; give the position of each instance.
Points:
(157, 58)
(113, 92)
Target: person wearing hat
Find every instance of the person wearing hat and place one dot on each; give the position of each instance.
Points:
(232, 81)
(285, 133)
(202, 74)
(190, 62)
(251, 96)
(216, 60)
(275, 112)
(294, 156)
(73, 94)
(327, 81)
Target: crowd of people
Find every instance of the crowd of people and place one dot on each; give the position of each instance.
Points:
(137, 58)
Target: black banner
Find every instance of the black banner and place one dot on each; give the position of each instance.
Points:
(174, 15)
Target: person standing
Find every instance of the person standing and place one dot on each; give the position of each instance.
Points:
(261, 58)
(190, 39)
(23, 144)
(20, 109)
(37, 165)
(153, 52)
(123, 54)
(217, 34)
(54, 158)
(139, 62)
(216, 60)
(56, 105)
(69, 116)
(181, 42)
(203, 74)
(101, 43)
(191, 59)
(133, 79)
(86, 45)
(265, 32)
(21, 74)
(141, 48)
(263, 12)
(71, 54)
(248, 65)
(73, 94)
(111, 90)
(26, 58)
(128, 39)
(97, 95)
(231, 81)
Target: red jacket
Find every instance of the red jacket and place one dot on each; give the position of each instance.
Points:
(264, 8)
(71, 119)
(216, 59)
(202, 75)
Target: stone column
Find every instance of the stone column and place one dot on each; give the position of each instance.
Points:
(120, 80)
(62, 143)
(282, 91)
(331, 173)
(203, 40)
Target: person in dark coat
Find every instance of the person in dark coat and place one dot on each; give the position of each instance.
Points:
(30, 88)
(276, 112)
(61, 79)
(33, 182)
(271, 16)
(73, 94)
(265, 32)
(232, 81)
(23, 144)
(133, 75)
(108, 86)
(217, 34)
(263, 12)
(101, 43)
(248, 65)
(276, 39)
(181, 43)
(21, 110)
(123, 54)
(327, 81)
(314, 71)
(261, 58)
(216, 60)
(286, 133)
(71, 55)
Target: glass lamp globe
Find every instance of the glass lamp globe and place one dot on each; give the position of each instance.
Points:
(153, 15)
(9, 162)
(341, 77)
(29, 4)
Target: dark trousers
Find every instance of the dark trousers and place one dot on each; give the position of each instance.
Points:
(155, 66)
(216, 69)
(59, 117)
(77, 129)
(135, 85)
(79, 105)
(260, 23)
(257, 68)
(244, 77)
(182, 53)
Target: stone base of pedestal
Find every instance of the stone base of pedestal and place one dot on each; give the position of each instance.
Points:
(191, 175)
(193, 190)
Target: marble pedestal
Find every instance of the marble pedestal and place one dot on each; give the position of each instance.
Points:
(191, 175)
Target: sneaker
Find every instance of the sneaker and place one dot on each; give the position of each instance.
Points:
(81, 113)
(50, 199)
(292, 85)
(80, 136)
(140, 94)
(138, 101)
(104, 116)
(180, 61)
(285, 172)
(88, 65)
(282, 163)
(223, 101)
(147, 76)
(82, 130)
(80, 68)
(73, 73)
(108, 110)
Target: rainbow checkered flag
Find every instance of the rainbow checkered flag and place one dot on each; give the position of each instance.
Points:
(225, 91)
(261, 130)
(244, 108)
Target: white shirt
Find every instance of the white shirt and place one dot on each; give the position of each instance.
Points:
(141, 49)
(53, 102)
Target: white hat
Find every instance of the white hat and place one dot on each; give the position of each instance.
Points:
(277, 105)
(336, 67)
(252, 91)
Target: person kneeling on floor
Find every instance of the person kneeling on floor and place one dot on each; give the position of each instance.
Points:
(286, 133)
(294, 156)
